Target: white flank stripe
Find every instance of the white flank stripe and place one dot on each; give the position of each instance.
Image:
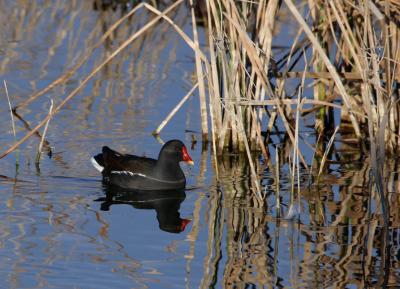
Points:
(96, 165)
(127, 173)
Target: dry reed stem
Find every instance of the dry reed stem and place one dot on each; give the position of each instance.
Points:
(44, 134)
(298, 110)
(174, 110)
(277, 181)
(295, 165)
(375, 62)
(310, 174)
(327, 62)
(376, 127)
(213, 83)
(259, 136)
(213, 137)
(87, 78)
(10, 107)
(229, 120)
(325, 156)
(200, 79)
(252, 168)
(229, 74)
(26, 125)
(215, 102)
(213, 94)
(375, 10)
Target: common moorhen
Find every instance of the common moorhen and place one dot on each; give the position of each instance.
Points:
(141, 173)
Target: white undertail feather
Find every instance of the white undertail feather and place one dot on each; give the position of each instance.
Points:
(96, 165)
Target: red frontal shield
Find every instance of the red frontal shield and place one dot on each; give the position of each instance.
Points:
(185, 156)
(184, 223)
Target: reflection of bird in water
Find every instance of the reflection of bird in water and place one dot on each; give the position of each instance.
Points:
(166, 203)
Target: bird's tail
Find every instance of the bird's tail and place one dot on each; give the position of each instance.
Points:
(98, 162)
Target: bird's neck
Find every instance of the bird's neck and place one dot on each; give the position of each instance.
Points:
(168, 168)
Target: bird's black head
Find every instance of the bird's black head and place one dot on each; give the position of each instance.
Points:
(175, 150)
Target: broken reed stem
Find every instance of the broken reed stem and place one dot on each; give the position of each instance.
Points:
(39, 152)
(277, 181)
(87, 78)
(296, 162)
(325, 156)
(28, 128)
(174, 110)
(10, 107)
(12, 120)
(214, 144)
(295, 165)
(310, 174)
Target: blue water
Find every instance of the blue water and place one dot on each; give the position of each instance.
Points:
(54, 229)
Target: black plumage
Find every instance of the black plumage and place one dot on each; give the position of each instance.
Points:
(134, 172)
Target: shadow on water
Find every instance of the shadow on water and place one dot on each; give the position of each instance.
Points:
(165, 203)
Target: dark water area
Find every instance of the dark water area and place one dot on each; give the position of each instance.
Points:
(61, 228)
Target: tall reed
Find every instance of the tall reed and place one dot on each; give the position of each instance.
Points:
(341, 39)
(350, 50)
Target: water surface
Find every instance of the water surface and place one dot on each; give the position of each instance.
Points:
(59, 230)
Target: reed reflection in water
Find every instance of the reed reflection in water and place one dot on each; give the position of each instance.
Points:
(335, 244)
